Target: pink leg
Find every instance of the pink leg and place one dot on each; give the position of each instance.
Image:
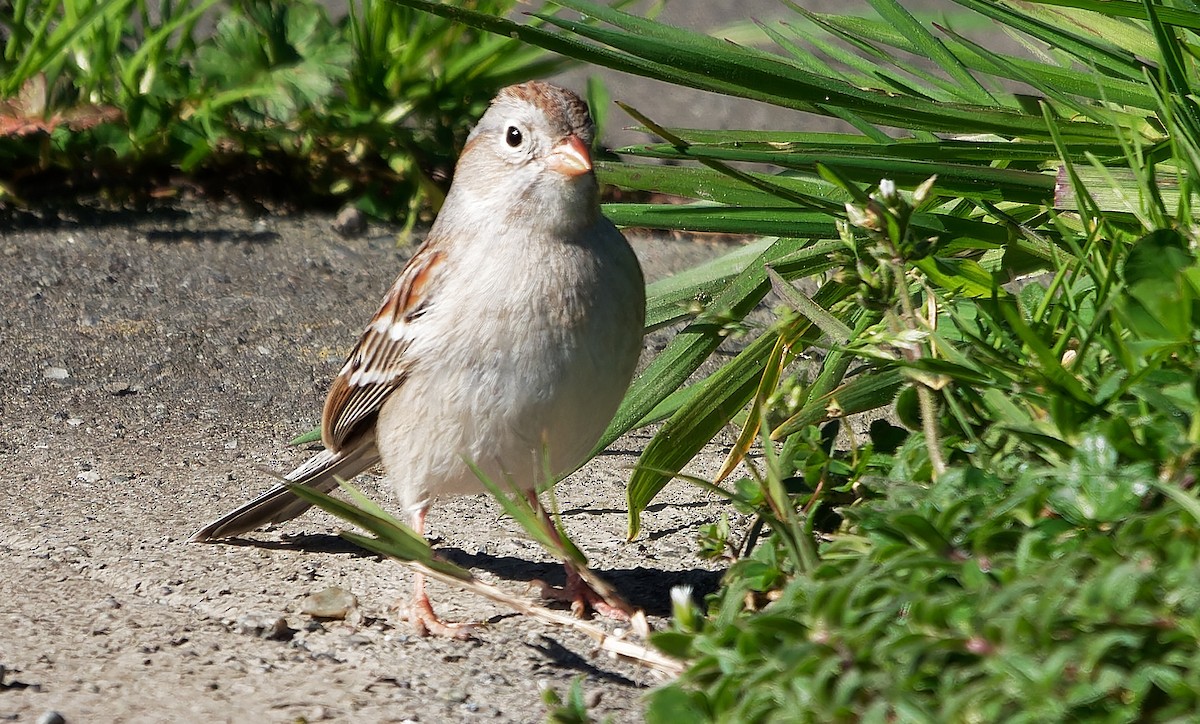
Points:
(421, 614)
(577, 592)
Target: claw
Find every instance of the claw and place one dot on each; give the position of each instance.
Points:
(582, 598)
(427, 623)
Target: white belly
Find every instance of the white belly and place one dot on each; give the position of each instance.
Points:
(526, 373)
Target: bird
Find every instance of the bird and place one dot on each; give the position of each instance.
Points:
(508, 339)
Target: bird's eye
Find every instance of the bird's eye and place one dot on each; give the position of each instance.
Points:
(513, 136)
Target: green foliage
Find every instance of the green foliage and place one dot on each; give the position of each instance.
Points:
(1047, 573)
(278, 100)
(572, 711)
(962, 600)
(271, 63)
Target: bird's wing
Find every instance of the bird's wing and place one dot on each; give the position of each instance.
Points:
(378, 364)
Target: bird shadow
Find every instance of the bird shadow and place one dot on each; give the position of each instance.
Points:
(564, 658)
(643, 587)
(304, 543)
(621, 511)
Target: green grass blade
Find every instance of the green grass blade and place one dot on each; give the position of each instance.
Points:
(514, 504)
(960, 276)
(977, 151)
(673, 298)
(721, 396)
(684, 355)
(780, 357)
(393, 538)
(769, 79)
(1133, 36)
(704, 184)
(1082, 82)
(760, 182)
(752, 221)
(1180, 17)
(867, 391)
(967, 180)
(837, 330)
(1103, 54)
(930, 47)
(45, 47)
(1177, 76)
(313, 435)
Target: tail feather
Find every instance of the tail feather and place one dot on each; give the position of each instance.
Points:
(278, 504)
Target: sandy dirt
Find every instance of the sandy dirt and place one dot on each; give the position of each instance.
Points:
(152, 366)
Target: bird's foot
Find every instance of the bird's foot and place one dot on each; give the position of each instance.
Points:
(427, 623)
(583, 598)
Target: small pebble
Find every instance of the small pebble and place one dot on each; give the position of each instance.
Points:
(51, 717)
(332, 602)
(121, 388)
(265, 626)
(55, 373)
(350, 222)
(454, 695)
(89, 476)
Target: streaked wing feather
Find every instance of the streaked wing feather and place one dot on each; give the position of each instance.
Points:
(377, 364)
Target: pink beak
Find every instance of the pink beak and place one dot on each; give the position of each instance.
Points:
(570, 158)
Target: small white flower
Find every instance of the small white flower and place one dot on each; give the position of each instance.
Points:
(887, 189)
(858, 216)
(681, 595)
(923, 190)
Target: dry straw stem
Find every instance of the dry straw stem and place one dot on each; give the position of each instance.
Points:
(615, 644)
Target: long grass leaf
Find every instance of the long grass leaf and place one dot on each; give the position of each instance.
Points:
(675, 297)
(400, 541)
(1180, 17)
(724, 393)
(759, 182)
(684, 355)
(705, 184)
(969, 180)
(837, 330)
(1101, 53)
(772, 371)
(771, 80)
(930, 47)
(1177, 76)
(867, 391)
(980, 151)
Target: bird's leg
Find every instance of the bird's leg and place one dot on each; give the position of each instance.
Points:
(420, 613)
(576, 591)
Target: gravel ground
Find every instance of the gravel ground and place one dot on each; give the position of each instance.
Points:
(154, 366)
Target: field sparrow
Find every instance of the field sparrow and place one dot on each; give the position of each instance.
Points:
(510, 335)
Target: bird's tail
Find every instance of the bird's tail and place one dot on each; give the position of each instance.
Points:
(278, 504)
